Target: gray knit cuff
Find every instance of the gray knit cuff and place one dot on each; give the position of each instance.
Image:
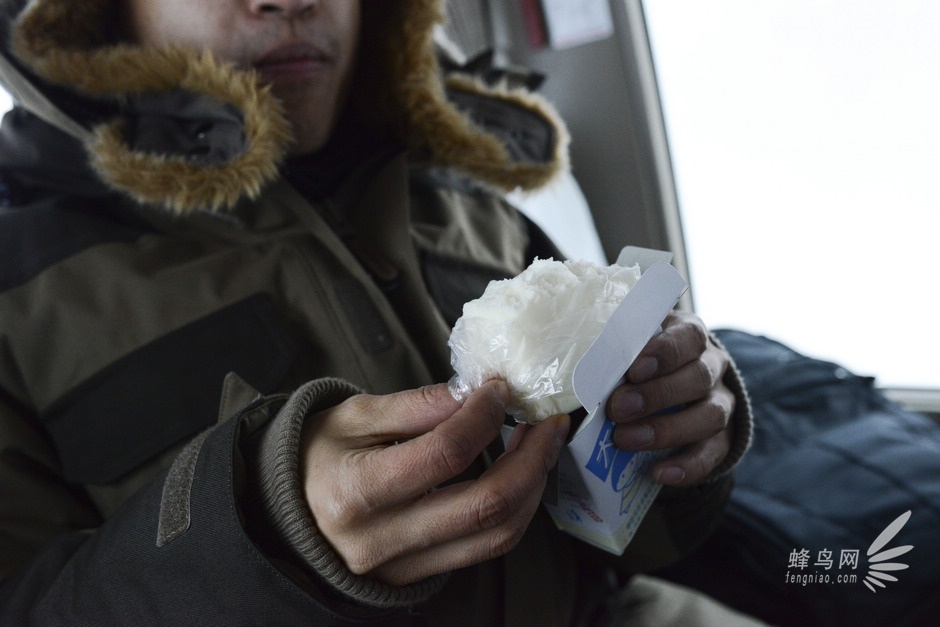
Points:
(742, 418)
(287, 512)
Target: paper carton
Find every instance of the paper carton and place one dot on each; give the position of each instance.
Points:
(603, 493)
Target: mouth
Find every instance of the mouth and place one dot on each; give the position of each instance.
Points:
(293, 62)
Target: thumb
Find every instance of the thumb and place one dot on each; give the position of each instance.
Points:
(411, 413)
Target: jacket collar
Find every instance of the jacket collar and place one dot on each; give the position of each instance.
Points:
(64, 43)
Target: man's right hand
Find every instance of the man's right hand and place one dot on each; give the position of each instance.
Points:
(372, 467)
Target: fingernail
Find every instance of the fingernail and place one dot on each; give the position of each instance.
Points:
(501, 392)
(644, 369)
(626, 404)
(670, 475)
(633, 437)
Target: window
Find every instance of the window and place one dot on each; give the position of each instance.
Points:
(805, 138)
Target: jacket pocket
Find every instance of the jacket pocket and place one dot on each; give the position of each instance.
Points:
(166, 391)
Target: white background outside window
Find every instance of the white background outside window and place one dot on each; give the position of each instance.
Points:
(805, 136)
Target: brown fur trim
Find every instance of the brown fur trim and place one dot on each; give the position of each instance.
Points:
(398, 89)
(433, 128)
(60, 39)
(484, 157)
(176, 182)
(46, 26)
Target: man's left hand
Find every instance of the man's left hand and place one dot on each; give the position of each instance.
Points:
(674, 398)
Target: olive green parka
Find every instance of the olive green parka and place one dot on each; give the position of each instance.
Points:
(171, 314)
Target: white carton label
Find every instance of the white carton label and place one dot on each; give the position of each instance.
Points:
(603, 493)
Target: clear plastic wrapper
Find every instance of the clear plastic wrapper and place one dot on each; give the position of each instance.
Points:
(532, 330)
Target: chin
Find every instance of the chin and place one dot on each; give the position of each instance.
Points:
(309, 132)
(308, 138)
(311, 119)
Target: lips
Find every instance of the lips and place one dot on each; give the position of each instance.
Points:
(293, 62)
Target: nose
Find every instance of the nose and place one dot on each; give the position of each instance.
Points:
(286, 8)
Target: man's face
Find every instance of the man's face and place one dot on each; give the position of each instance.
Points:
(306, 49)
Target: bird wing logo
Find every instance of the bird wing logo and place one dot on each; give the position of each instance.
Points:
(878, 564)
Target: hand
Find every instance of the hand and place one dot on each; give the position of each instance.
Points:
(679, 370)
(373, 467)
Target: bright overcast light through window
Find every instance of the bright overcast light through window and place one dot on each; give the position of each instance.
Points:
(805, 136)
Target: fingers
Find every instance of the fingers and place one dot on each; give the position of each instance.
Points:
(690, 382)
(683, 339)
(461, 524)
(486, 518)
(701, 433)
(674, 399)
(353, 469)
(411, 468)
(373, 499)
(695, 462)
(464, 551)
(694, 422)
(410, 413)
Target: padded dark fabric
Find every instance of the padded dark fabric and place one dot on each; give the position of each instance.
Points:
(174, 383)
(834, 464)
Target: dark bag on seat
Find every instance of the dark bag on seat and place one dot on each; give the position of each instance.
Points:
(834, 463)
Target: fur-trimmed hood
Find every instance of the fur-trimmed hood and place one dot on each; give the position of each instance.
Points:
(222, 138)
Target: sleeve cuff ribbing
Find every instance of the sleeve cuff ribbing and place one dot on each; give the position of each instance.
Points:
(286, 510)
(742, 418)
